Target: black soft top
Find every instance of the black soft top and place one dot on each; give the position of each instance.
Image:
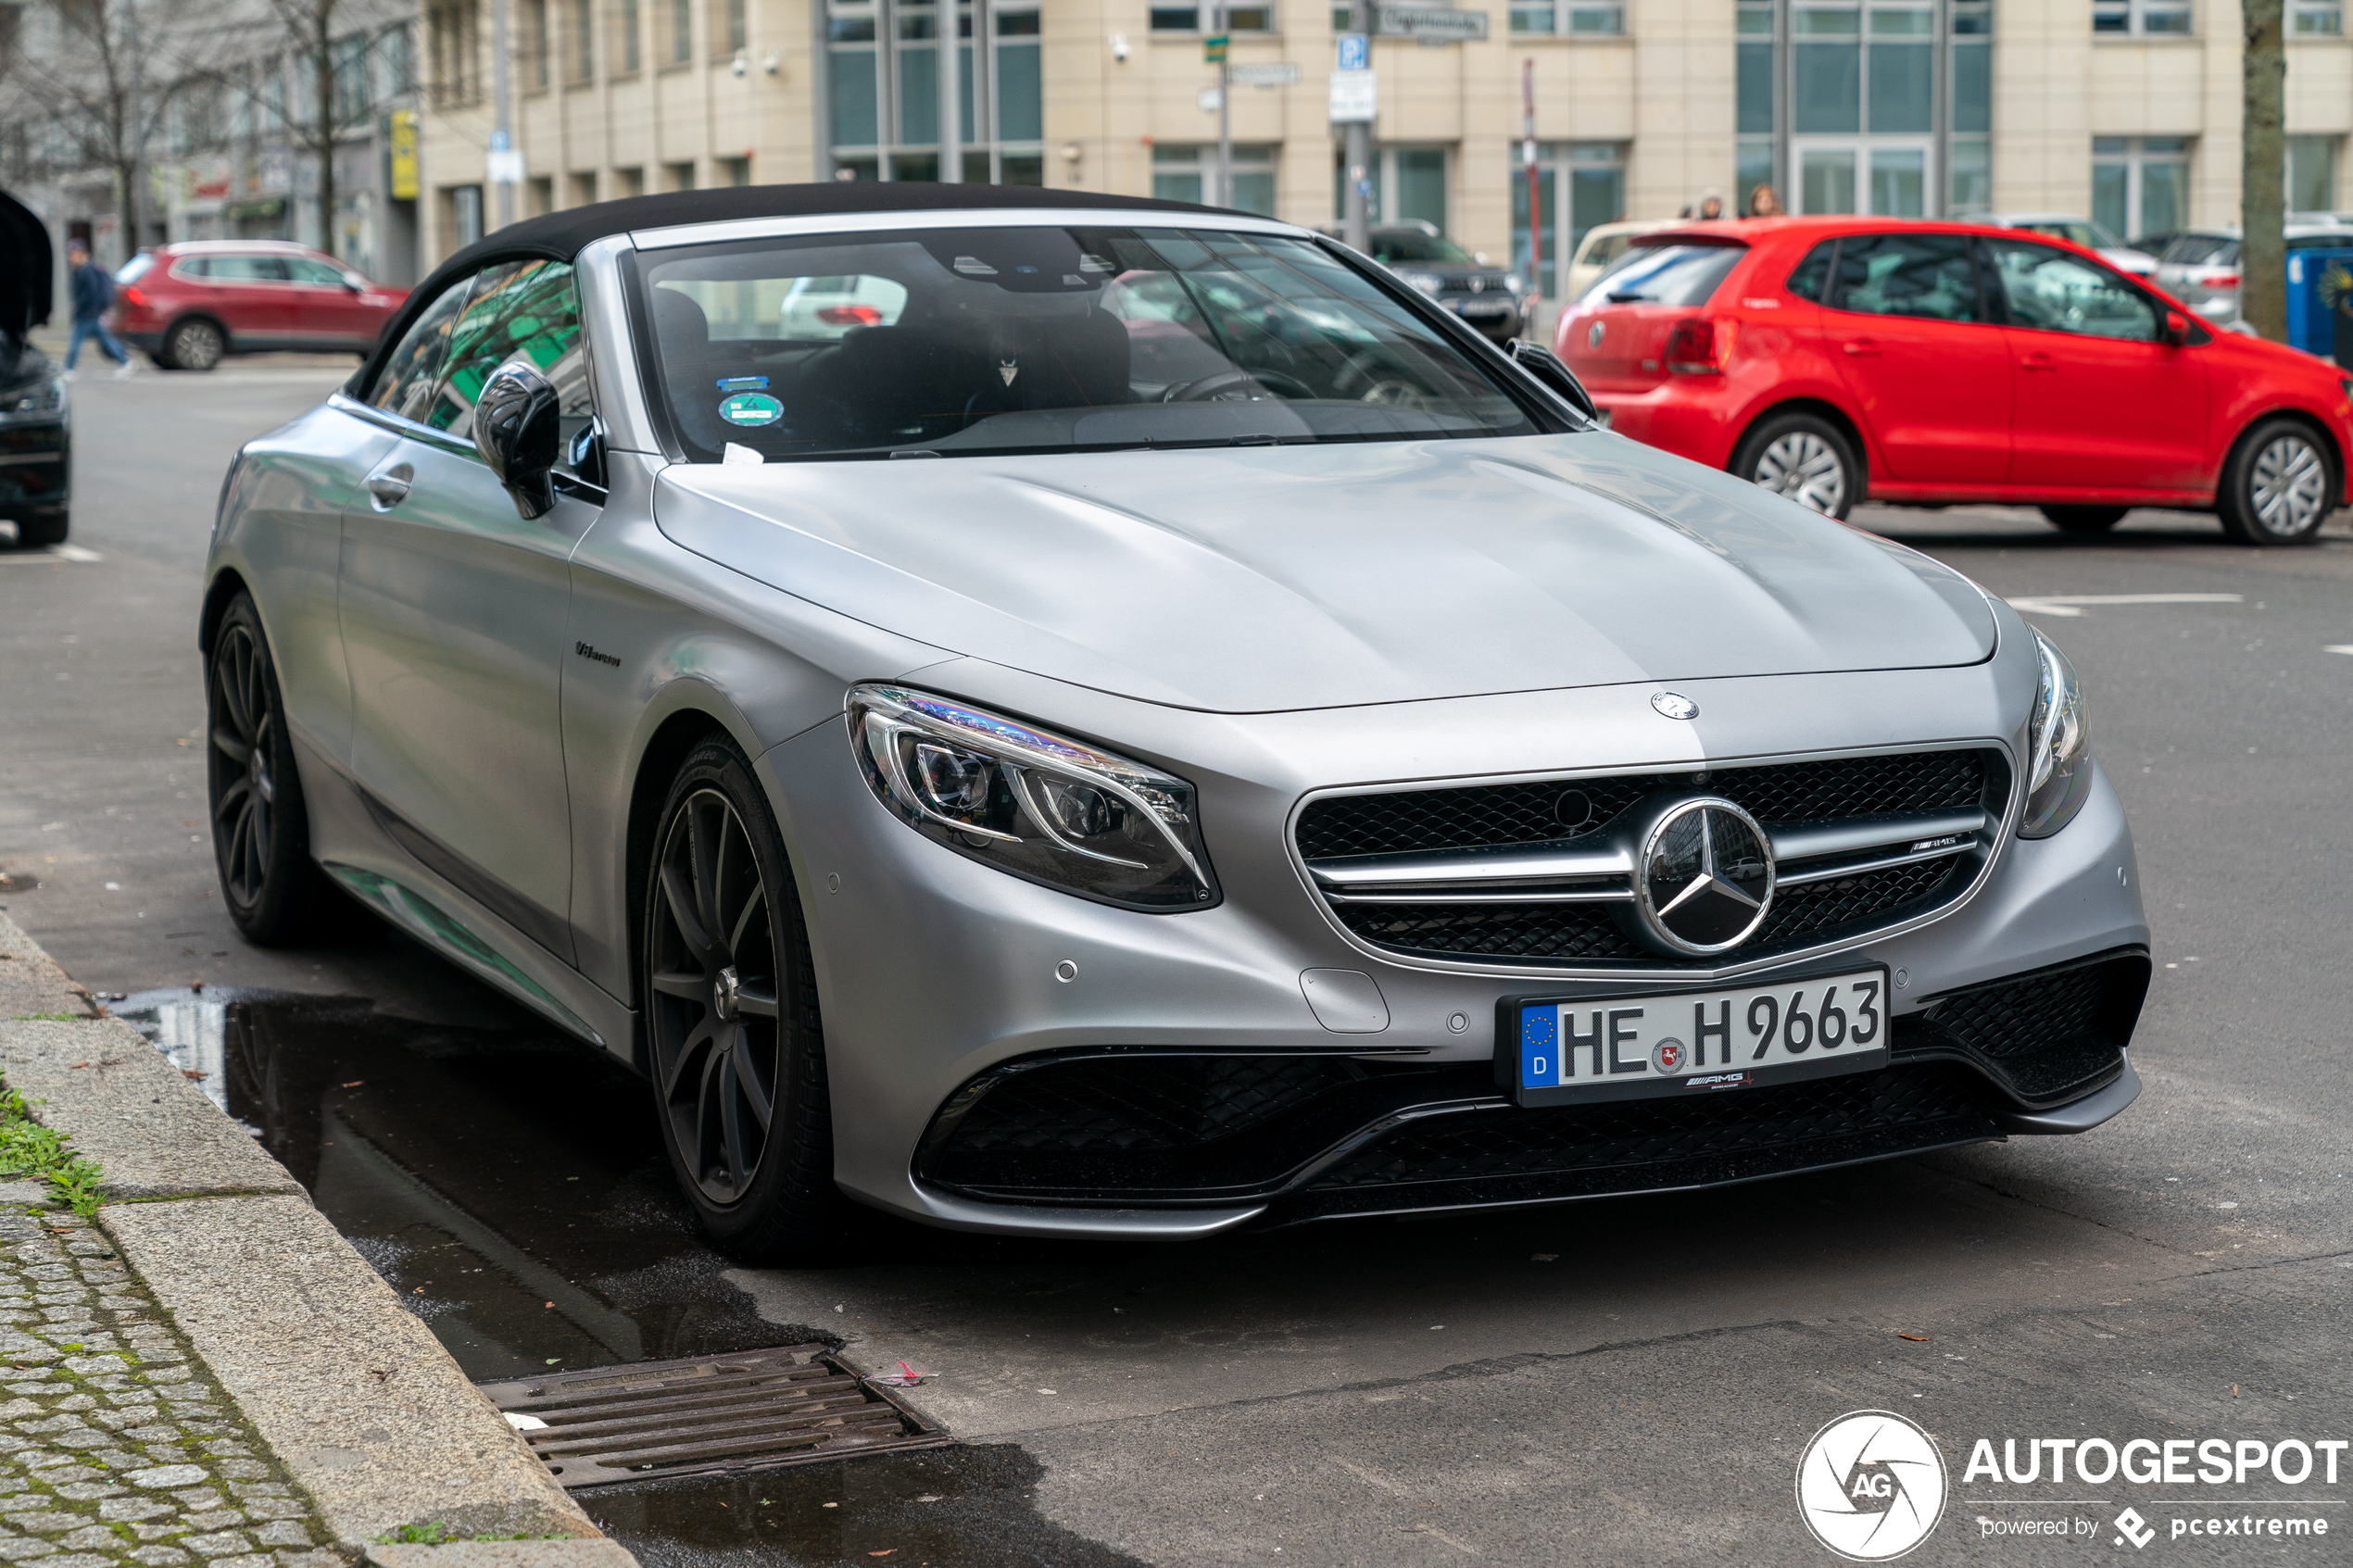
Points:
(560, 236)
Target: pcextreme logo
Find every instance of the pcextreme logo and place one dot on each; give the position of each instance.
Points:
(1871, 1485)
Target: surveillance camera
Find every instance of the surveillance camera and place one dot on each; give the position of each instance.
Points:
(771, 63)
(1119, 47)
(742, 63)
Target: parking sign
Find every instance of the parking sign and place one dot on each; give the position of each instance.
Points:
(1354, 52)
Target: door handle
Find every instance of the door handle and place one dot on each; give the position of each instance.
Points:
(2038, 363)
(390, 488)
(1861, 347)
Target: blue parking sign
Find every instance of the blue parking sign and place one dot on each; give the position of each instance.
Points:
(1355, 51)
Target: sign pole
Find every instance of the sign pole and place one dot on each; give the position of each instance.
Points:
(1224, 112)
(1358, 147)
(951, 71)
(1535, 194)
(502, 99)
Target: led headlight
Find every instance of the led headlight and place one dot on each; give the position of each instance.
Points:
(1031, 802)
(2059, 754)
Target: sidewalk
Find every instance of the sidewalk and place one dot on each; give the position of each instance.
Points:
(209, 1373)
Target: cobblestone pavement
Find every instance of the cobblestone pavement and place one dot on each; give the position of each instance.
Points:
(116, 1446)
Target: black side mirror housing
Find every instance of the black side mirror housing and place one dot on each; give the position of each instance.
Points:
(517, 431)
(1552, 372)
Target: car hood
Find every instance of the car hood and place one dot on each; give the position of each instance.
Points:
(1265, 578)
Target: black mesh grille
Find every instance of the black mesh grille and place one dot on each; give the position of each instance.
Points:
(2048, 1036)
(1784, 793)
(1092, 1106)
(1590, 933)
(1483, 1145)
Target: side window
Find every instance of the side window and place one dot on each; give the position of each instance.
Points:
(2051, 290)
(519, 310)
(1926, 275)
(405, 385)
(248, 269)
(1813, 275)
(315, 274)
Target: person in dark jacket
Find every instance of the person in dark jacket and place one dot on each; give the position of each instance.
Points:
(93, 291)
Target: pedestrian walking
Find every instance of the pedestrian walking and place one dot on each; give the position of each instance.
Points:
(93, 293)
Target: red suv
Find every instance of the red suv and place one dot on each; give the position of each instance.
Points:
(188, 304)
(1830, 357)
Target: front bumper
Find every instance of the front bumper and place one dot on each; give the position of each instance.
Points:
(1498, 316)
(36, 466)
(935, 971)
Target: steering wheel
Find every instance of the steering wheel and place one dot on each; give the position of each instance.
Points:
(1381, 384)
(1224, 383)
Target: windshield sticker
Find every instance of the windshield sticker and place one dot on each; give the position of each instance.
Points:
(743, 383)
(750, 408)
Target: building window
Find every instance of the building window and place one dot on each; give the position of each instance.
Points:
(584, 39)
(1595, 175)
(2140, 184)
(628, 182)
(730, 28)
(677, 176)
(2152, 18)
(1203, 19)
(1409, 186)
(541, 198)
(584, 188)
(1188, 174)
(625, 24)
(1571, 16)
(682, 32)
(2311, 173)
(2316, 19)
(464, 214)
(536, 44)
(453, 37)
(1753, 95)
(882, 90)
(734, 171)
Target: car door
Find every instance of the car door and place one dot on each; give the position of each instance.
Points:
(325, 310)
(1909, 328)
(2100, 401)
(454, 611)
(254, 297)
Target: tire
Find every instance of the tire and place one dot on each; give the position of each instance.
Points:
(1805, 457)
(48, 526)
(2086, 519)
(732, 1021)
(194, 345)
(260, 830)
(2279, 484)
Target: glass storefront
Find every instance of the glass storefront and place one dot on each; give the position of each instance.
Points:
(882, 90)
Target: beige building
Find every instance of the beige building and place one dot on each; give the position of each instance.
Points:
(2124, 110)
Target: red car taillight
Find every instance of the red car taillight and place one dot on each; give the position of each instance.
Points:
(1697, 346)
(2220, 280)
(133, 297)
(849, 316)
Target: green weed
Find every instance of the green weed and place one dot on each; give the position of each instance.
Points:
(29, 1149)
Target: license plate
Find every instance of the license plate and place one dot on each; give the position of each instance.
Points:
(1494, 309)
(1559, 1052)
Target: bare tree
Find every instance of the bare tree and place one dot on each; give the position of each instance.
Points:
(2263, 171)
(310, 31)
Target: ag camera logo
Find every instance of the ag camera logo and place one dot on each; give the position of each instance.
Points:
(1871, 1485)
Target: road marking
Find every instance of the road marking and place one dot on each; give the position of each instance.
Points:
(2338, 647)
(2070, 604)
(54, 552)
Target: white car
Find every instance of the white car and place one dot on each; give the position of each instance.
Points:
(2084, 233)
(1603, 244)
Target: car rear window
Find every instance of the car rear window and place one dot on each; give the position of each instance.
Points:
(1666, 274)
(136, 267)
(2195, 250)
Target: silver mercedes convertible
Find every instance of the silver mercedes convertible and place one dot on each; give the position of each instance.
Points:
(1072, 716)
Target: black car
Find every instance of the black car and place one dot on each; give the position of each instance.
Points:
(1484, 296)
(36, 458)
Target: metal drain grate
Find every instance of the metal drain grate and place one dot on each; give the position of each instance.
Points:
(753, 1411)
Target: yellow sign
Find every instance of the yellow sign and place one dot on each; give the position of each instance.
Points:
(404, 154)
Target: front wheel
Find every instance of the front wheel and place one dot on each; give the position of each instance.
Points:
(2278, 487)
(734, 1042)
(1805, 457)
(2086, 519)
(194, 345)
(260, 830)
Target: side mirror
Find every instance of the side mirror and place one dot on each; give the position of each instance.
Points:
(516, 433)
(1551, 374)
(2177, 329)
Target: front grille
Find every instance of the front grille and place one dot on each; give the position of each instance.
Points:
(2049, 1036)
(1114, 1104)
(1572, 814)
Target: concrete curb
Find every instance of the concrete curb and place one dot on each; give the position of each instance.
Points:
(362, 1404)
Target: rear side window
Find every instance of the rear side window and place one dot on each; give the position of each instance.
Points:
(518, 310)
(193, 267)
(405, 385)
(1811, 280)
(136, 267)
(1667, 275)
(247, 270)
(1926, 275)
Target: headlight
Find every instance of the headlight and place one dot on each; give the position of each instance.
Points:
(1026, 800)
(1422, 283)
(1511, 282)
(33, 402)
(2060, 754)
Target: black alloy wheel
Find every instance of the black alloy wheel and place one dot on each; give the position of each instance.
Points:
(194, 345)
(260, 833)
(736, 1050)
(2086, 519)
(2278, 486)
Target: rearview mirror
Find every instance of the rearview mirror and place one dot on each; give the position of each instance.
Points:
(2177, 329)
(516, 433)
(1550, 373)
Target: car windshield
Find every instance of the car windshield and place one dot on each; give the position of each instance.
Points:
(965, 341)
(1390, 246)
(1666, 274)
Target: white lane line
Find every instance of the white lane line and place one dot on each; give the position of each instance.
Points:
(74, 552)
(2071, 604)
(2338, 647)
(53, 552)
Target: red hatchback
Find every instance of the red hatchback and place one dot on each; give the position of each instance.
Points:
(188, 304)
(1932, 363)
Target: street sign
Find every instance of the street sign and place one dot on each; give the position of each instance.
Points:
(1354, 97)
(1434, 24)
(1210, 99)
(1284, 74)
(1213, 49)
(503, 168)
(1355, 51)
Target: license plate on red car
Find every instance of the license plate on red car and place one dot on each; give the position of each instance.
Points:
(1557, 1051)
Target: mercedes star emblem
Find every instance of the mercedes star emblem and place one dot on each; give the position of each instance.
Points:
(1675, 704)
(1704, 879)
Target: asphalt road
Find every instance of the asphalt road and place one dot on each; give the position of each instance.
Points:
(1622, 1382)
